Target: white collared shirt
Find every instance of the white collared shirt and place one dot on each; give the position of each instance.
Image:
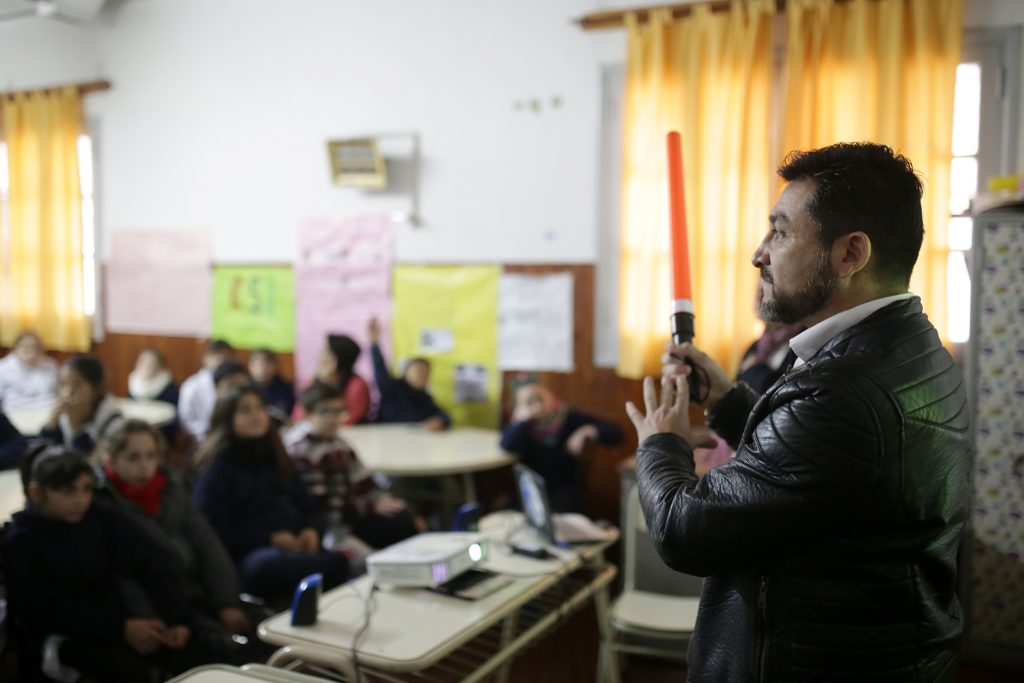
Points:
(810, 341)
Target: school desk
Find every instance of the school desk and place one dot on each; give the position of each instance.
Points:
(31, 420)
(12, 497)
(408, 450)
(419, 635)
(221, 673)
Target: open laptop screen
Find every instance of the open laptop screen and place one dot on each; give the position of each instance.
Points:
(534, 498)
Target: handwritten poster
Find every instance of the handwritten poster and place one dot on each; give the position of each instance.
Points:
(342, 281)
(254, 306)
(535, 322)
(158, 282)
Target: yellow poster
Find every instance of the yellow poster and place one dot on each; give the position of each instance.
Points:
(449, 315)
(254, 306)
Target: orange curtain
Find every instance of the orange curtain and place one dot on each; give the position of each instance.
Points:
(41, 271)
(881, 71)
(708, 76)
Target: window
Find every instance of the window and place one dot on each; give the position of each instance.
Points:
(984, 145)
(87, 185)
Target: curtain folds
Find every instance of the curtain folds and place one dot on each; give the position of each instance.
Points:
(41, 268)
(707, 76)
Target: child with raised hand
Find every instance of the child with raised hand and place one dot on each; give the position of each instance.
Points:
(330, 467)
(137, 481)
(66, 558)
(85, 412)
(550, 437)
(405, 398)
(28, 377)
(256, 502)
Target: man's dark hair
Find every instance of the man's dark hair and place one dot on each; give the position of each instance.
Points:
(52, 467)
(317, 393)
(228, 368)
(88, 368)
(867, 187)
(218, 346)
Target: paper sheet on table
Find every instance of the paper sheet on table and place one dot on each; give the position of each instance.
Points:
(535, 315)
(342, 280)
(158, 282)
(254, 306)
(464, 378)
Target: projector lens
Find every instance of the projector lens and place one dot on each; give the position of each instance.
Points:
(476, 552)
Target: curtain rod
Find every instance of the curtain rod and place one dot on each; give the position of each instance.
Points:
(597, 21)
(83, 88)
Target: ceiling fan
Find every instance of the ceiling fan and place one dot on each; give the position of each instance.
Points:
(66, 11)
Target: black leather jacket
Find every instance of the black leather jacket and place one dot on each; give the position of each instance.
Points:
(830, 540)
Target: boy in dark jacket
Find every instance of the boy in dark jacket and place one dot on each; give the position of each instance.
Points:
(66, 557)
(405, 399)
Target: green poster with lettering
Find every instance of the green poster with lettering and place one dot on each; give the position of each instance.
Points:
(254, 306)
(449, 315)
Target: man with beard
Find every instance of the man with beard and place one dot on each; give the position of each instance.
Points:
(829, 542)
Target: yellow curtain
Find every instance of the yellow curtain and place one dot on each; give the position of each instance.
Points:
(41, 278)
(881, 71)
(708, 76)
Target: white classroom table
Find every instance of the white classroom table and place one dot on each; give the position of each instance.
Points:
(12, 497)
(419, 635)
(30, 420)
(409, 450)
(222, 673)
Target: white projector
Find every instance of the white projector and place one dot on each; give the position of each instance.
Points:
(427, 559)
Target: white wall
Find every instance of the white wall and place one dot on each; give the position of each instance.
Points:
(220, 112)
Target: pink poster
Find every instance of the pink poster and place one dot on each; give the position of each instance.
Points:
(158, 282)
(342, 280)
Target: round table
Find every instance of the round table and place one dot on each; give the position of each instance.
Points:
(30, 420)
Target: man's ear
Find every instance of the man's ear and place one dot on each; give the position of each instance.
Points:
(851, 253)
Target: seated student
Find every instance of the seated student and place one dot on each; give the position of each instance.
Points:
(195, 403)
(28, 377)
(66, 557)
(85, 412)
(346, 490)
(257, 504)
(279, 393)
(151, 380)
(137, 481)
(335, 366)
(12, 444)
(229, 374)
(405, 399)
(766, 359)
(549, 437)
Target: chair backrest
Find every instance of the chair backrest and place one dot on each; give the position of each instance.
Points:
(643, 568)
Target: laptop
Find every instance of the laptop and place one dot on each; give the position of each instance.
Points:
(560, 528)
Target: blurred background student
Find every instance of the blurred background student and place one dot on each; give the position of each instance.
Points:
(198, 394)
(405, 398)
(335, 367)
(150, 380)
(12, 444)
(256, 502)
(550, 438)
(278, 392)
(85, 412)
(28, 377)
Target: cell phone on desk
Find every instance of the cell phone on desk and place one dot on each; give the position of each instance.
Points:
(473, 584)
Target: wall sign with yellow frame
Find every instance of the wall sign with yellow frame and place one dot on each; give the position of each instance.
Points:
(357, 163)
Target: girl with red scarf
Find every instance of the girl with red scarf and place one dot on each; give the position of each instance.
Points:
(137, 481)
